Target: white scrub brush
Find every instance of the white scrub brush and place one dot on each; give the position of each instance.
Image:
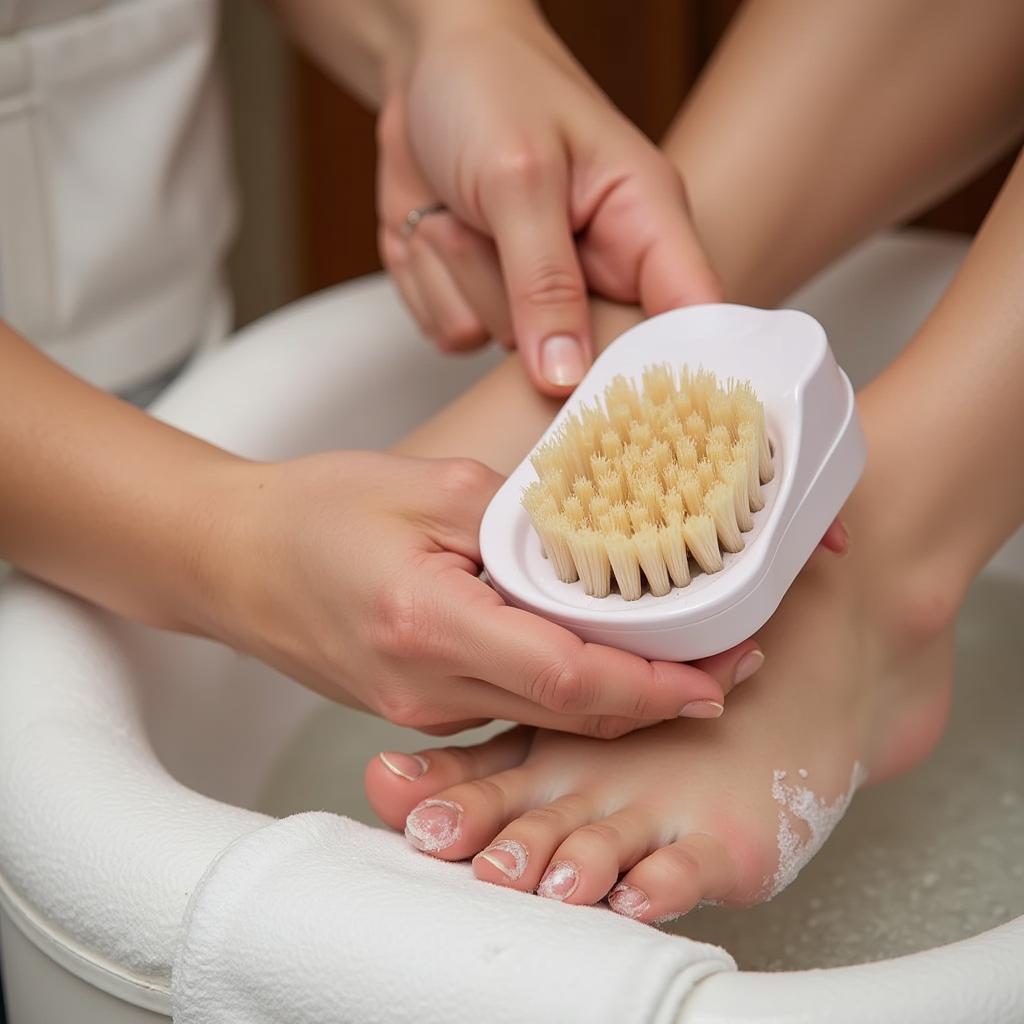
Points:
(683, 485)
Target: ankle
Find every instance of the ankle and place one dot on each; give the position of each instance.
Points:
(928, 605)
(912, 596)
(914, 567)
(912, 590)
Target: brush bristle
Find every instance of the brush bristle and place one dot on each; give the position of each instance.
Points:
(660, 472)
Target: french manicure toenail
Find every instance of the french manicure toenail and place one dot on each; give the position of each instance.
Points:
(627, 900)
(508, 856)
(561, 360)
(702, 709)
(747, 666)
(405, 766)
(434, 825)
(559, 881)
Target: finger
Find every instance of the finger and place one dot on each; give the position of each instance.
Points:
(401, 187)
(837, 538)
(462, 695)
(553, 668)
(734, 666)
(472, 261)
(450, 728)
(455, 495)
(459, 329)
(527, 209)
(640, 244)
(395, 254)
(673, 269)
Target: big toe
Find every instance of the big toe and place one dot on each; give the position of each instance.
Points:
(396, 782)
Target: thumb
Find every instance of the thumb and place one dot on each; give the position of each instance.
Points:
(734, 666)
(674, 270)
(528, 215)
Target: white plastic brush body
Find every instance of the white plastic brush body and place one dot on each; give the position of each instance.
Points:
(818, 454)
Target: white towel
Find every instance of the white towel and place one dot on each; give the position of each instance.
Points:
(317, 919)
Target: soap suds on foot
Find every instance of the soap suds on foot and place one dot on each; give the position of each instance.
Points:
(819, 817)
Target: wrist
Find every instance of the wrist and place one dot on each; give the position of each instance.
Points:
(427, 16)
(426, 22)
(255, 517)
(213, 552)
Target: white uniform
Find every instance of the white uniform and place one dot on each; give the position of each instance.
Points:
(116, 204)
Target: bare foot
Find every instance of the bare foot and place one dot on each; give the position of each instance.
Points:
(855, 688)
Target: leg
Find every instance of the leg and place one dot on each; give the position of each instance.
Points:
(858, 672)
(907, 100)
(499, 421)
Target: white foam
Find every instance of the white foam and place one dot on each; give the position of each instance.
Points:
(796, 801)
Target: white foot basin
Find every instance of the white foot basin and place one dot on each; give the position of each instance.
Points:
(128, 760)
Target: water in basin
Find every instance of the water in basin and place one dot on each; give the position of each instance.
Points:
(931, 857)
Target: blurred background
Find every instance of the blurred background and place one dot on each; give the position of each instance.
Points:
(305, 150)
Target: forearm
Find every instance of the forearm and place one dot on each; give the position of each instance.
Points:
(368, 45)
(102, 500)
(817, 124)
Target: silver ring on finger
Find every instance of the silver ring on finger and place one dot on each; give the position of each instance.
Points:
(415, 215)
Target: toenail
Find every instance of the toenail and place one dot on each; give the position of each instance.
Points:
(508, 856)
(405, 766)
(559, 881)
(702, 709)
(628, 901)
(434, 825)
(747, 666)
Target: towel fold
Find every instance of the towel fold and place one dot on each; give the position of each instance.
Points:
(317, 919)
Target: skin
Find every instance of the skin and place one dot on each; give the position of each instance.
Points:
(784, 178)
(112, 505)
(797, 148)
(157, 526)
(873, 631)
(552, 193)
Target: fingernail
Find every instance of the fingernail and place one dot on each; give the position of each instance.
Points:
(747, 666)
(434, 825)
(702, 709)
(405, 766)
(508, 856)
(628, 901)
(559, 881)
(846, 537)
(561, 360)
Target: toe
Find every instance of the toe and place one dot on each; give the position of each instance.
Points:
(396, 782)
(462, 820)
(588, 863)
(519, 854)
(674, 879)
